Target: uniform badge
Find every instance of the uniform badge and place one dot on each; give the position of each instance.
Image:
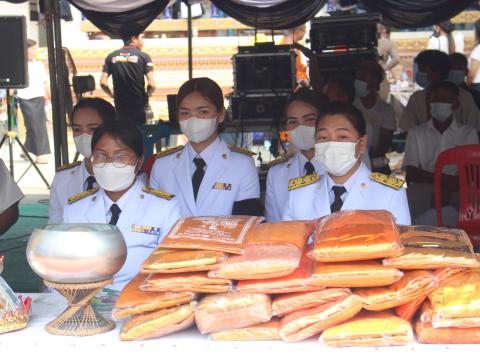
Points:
(149, 230)
(303, 181)
(222, 186)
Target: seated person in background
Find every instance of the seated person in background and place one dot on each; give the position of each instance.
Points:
(424, 143)
(339, 89)
(433, 67)
(458, 74)
(379, 116)
(71, 179)
(9, 199)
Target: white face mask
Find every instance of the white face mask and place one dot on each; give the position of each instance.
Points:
(303, 137)
(197, 129)
(361, 88)
(83, 143)
(337, 157)
(112, 178)
(441, 111)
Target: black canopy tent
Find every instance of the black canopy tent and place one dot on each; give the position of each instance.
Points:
(122, 18)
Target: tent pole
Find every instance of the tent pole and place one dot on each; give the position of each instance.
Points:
(190, 44)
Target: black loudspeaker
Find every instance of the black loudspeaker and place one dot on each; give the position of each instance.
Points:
(13, 44)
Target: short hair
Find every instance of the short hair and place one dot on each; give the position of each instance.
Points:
(31, 43)
(444, 85)
(105, 110)
(127, 40)
(353, 115)
(436, 60)
(124, 131)
(313, 98)
(205, 86)
(374, 68)
(458, 58)
(345, 84)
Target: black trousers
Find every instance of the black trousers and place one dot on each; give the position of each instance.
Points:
(131, 112)
(35, 119)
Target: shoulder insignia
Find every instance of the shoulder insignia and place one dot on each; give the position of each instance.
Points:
(280, 160)
(241, 150)
(68, 166)
(158, 193)
(82, 195)
(303, 181)
(386, 180)
(168, 151)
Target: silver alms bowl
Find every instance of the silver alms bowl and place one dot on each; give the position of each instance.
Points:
(76, 253)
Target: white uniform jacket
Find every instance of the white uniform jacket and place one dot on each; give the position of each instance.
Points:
(313, 201)
(144, 221)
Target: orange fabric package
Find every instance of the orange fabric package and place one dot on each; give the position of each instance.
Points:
(177, 261)
(415, 284)
(194, 282)
(427, 247)
(230, 311)
(271, 250)
(303, 324)
(261, 332)
(217, 233)
(355, 274)
(286, 304)
(133, 301)
(158, 323)
(354, 235)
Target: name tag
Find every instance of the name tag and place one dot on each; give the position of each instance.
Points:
(149, 230)
(222, 186)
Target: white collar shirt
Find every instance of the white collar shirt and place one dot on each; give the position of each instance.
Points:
(122, 202)
(347, 185)
(207, 155)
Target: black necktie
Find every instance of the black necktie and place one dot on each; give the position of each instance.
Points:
(90, 182)
(198, 175)
(115, 209)
(309, 168)
(338, 202)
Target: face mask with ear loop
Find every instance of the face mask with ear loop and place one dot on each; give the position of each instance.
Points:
(198, 129)
(114, 177)
(338, 157)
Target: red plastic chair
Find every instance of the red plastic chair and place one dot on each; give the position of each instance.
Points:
(148, 165)
(467, 159)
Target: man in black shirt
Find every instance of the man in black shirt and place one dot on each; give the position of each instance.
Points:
(129, 66)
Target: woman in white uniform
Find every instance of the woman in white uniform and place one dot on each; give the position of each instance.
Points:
(71, 179)
(207, 176)
(348, 185)
(301, 113)
(143, 215)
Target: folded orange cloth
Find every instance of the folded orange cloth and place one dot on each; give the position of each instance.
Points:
(415, 284)
(285, 304)
(355, 274)
(356, 235)
(370, 329)
(271, 250)
(194, 282)
(303, 324)
(217, 233)
(177, 261)
(133, 301)
(158, 323)
(260, 332)
(233, 310)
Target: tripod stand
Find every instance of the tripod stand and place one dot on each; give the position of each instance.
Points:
(11, 136)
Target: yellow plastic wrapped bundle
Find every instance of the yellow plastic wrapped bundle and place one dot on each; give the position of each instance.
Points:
(428, 247)
(197, 282)
(369, 329)
(176, 261)
(261, 332)
(14, 311)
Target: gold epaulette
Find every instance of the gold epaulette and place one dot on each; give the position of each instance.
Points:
(82, 195)
(158, 193)
(280, 160)
(303, 181)
(168, 151)
(386, 180)
(68, 166)
(241, 150)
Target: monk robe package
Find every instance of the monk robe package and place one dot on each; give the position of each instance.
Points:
(369, 329)
(260, 332)
(176, 261)
(271, 250)
(158, 323)
(133, 301)
(428, 247)
(354, 235)
(185, 282)
(217, 233)
(233, 310)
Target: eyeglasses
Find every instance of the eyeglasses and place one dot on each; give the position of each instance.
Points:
(119, 160)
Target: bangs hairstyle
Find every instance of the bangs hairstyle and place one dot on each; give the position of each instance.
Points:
(350, 112)
(105, 110)
(444, 85)
(310, 97)
(206, 87)
(458, 59)
(436, 60)
(345, 85)
(373, 68)
(125, 132)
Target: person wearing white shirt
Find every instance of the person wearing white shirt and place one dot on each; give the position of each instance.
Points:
(301, 112)
(424, 143)
(445, 39)
(474, 60)
(9, 199)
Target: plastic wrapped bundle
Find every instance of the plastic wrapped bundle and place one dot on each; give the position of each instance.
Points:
(355, 274)
(133, 301)
(217, 233)
(428, 247)
(271, 250)
(354, 235)
(158, 323)
(414, 285)
(230, 311)
(197, 282)
(369, 329)
(14, 311)
(303, 324)
(176, 261)
(261, 332)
